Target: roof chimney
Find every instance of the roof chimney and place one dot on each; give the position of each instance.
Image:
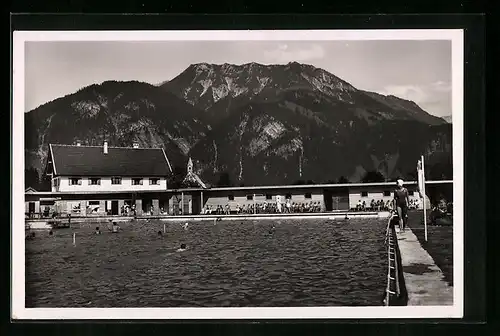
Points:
(105, 147)
(135, 144)
(78, 142)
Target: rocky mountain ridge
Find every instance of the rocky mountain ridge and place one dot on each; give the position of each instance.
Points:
(259, 124)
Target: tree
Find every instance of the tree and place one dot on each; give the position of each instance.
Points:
(224, 180)
(373, 177)
(45, 183)
(343, 179)
(175, 179)
(412, 175)
(439, 171)
(31, 178)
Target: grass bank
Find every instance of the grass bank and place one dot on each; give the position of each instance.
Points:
(439, 244)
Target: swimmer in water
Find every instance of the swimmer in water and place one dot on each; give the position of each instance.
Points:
(182, 248)
(97, 230)
(51, 233)
(272, 229)
(160, 234)
(186, 226)
(115, 228)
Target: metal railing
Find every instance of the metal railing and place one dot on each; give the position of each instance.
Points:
(393, 286)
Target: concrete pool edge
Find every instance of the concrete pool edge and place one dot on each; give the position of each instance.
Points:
(43, 223)
(338, 215)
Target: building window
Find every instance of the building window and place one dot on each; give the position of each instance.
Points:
(93, 202)
(75, 181)
(364, 194)
(269, 197)
(411, 192)
(154, 181)
(230, 197)
(136, 181)
(94, 181)
(249, 197)
(387, 193)
(307, 195)
(288, 196)
(116, 180)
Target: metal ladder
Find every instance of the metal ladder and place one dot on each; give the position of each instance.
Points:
(393, 286)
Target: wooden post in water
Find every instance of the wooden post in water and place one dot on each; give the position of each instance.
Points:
(74, 239)
(164, 228)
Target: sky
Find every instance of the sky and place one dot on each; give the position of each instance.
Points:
(410, 69)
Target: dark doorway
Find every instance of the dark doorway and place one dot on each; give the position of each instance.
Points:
(31, 207)
(327, 195)
(336, 199)
(196, 204)
(114, 207)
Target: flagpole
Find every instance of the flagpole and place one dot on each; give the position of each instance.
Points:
(424, 193)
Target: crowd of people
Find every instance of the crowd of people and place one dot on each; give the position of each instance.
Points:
(381, 205)
(264, 208)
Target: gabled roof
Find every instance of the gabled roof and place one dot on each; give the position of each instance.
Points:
(195, 179)
(30, 190)
(69, 160)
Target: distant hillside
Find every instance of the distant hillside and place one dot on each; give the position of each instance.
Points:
(219, 89)
(259, 124)
(448, 119)
(122, 112)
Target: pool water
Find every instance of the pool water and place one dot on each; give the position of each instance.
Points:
(302, 262)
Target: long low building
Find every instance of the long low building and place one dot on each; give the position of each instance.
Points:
(329, 197)
(113, 181)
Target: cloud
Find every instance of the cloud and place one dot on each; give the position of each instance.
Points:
(284, 53)
(434, 97)
(415, 93)
(441, 86)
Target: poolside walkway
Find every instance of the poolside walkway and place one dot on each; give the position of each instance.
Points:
(424, 280)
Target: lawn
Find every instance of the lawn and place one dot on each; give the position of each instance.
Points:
(439, 244)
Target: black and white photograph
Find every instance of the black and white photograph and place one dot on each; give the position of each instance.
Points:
(237, 174)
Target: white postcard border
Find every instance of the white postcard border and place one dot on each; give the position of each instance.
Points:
(18, 243)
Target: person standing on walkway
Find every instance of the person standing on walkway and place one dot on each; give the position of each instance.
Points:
(401, 201)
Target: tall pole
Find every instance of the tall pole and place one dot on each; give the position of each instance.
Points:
(424, 194)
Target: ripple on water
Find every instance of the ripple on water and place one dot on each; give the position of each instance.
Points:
(303, 263)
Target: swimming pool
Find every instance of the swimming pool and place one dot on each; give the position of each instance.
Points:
(303, 262)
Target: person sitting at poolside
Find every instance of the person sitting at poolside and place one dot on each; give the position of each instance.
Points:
(182, 248)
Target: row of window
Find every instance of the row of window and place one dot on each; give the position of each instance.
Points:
(270, 197)
(308, 195)
(114, 180)
(386, 193)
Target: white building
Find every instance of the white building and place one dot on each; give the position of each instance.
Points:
(77, 168)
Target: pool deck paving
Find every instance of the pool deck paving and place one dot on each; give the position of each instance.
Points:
(424, 280)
